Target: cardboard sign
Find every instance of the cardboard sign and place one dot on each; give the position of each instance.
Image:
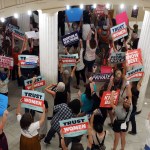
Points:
(117, 58)
(32, 100)
(119, 31)
(133, 57)
(74, 127)
(122, 17)
(68, 60)
(101, 77)
(74, 14)
(105, 69)
(70, 39)
(11, 27)
(134, 13)
(3, 104)
(28, 61)
(31, 34)
(38, 83)
(100, 10)
(105, 101)
(135, 74)
(6, 62)
(18, 34)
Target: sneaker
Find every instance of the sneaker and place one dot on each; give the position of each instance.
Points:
(130, 132)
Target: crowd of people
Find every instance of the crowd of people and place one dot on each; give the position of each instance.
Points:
(94, 49)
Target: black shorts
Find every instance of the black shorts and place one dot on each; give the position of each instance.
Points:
(117, 127)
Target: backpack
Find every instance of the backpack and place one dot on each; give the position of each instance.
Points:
(101, 145)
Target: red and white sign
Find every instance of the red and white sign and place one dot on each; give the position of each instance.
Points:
(119, 31)
(6, 62)
(32, 100)
(74, 127)
(39, 82)
(133, 57)
(100, 10)
(105, 101)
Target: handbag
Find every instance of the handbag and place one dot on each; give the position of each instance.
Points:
(101, 145)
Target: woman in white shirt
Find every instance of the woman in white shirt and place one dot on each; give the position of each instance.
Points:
(147, 123)
(29, 130)
(80, 70)
(90, 55)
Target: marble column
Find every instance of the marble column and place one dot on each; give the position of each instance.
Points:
(144, 44)
(48, 29)
(24, 22)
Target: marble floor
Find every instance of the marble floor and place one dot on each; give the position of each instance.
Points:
(12, 128)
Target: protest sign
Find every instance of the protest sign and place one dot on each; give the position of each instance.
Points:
(28, 61)
(18, 34)
(11, 27)
(70, 39)
(31, 34)
(38, 83)
(122, 17)
(68, 60)
(119, 31)
(105, 69)
(74, 14)
(105, 100)
(32, 100)
(133, 57)
(74, 127)
(117, 57)
(3, 103)
(101, 77)
(6, 62)
(135, 74)
(100, 10)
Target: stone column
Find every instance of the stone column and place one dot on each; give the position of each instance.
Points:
(48, 29)
(24, 22)
(144, 44)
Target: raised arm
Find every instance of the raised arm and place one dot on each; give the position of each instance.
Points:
(19, 70)
(42, 119)
(50, 91)
(89, 35)
(18, 110)
(33, 82)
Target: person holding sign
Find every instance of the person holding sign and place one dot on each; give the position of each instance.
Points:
(29, 139)
(122, 113)
(90, 56)
(3, 139)
(4, 80)
(62, 112)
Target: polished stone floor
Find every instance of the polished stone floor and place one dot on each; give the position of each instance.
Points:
(12, 128)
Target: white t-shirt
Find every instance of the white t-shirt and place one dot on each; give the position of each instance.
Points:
(80, 65)
(90, 53)
(4, 86)
(32, 130)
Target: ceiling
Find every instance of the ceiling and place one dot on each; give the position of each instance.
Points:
(9, 7)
